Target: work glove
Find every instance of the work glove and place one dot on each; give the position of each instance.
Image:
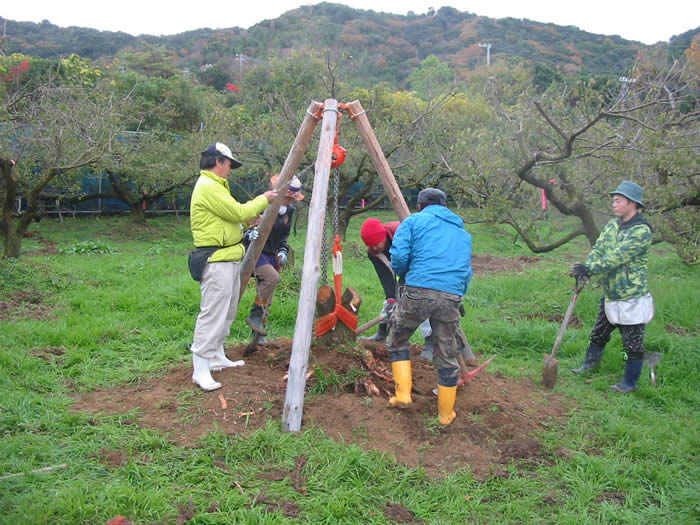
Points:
(462, 311)
(388, 307)
(282, 258)
(425, 329)
(579, 271)
(252, 234)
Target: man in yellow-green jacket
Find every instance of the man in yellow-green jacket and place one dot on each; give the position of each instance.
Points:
(217, 221)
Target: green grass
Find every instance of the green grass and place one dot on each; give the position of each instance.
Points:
(123, 311)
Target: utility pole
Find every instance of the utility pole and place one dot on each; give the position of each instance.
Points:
(626, 81)
(241, 57)
(487, 45)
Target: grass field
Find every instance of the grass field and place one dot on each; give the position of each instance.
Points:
(100, 302)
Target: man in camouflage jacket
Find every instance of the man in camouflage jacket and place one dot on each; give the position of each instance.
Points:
(620, 256)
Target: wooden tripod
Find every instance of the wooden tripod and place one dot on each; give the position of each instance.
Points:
(303, 330)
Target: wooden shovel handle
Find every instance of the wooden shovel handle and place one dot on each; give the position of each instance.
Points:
(569, 311)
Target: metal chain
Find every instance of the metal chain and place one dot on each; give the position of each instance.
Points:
(336, 189)
(325, 241)
(324, 252)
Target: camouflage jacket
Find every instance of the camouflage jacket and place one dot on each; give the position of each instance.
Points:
(620, 257)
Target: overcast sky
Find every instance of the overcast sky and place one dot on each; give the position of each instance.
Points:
(642, 20)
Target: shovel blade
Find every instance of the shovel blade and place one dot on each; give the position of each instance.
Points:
(549, 371)
(252, 346)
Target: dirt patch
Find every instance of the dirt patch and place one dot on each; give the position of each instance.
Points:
(50, 353)
(399, 514)
(112, 458)
(497, 417)
(47, 247)
(574, 322)
(677, 330)
(25, 304)
(483, 263)
(616, 498)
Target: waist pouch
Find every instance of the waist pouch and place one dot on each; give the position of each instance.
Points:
(632, 311)
(198, 258)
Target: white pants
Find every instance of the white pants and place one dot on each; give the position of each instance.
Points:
(219, 287)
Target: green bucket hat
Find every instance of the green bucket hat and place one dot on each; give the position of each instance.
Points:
(631, 190)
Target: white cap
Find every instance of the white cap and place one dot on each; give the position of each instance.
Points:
(222, 149)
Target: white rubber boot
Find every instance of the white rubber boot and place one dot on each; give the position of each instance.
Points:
(220, 361)
(201, 375)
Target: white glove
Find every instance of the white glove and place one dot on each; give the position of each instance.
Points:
(253, 234)
(388, 307)
(425, 328)
(282, 258)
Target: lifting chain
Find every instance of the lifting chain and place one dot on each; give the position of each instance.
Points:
(324, 252)
(336, 191)
(334, 220)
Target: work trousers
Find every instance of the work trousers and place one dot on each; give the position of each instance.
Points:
(632, 334)
(267, 278)
(219, 288)
(415, 306)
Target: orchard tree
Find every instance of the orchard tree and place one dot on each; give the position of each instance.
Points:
(56, 118)
(576, 143)
(157, 150)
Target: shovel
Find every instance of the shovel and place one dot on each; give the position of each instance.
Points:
(253, 345)
(466, 377)
(652, 359)
(551, 365)
(369, 324)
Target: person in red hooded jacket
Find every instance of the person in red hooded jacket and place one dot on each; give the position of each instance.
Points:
(378, 237)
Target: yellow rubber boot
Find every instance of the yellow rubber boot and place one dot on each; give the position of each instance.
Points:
(401, 371)
(446, 404)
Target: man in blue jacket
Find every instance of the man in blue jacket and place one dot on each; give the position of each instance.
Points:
(432, 253)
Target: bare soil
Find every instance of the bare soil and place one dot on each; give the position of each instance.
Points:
(497, 423)
(497, 418)
(25, 304)
(484, 263)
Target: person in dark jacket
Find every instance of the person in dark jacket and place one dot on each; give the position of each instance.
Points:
(274, 255)
(620, 256)
(431, 252)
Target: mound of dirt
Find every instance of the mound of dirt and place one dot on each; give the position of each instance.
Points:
(23, 304)
(497, 418)
(484, 263)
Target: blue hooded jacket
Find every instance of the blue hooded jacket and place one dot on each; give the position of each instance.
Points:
(431, 250)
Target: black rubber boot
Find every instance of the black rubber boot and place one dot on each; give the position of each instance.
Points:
(255, 319)
(633, 369)
(379, 336)
(593, 356)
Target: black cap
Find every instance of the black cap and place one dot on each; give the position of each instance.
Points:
(430, 196)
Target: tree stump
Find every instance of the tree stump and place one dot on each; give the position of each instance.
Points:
(325, 304)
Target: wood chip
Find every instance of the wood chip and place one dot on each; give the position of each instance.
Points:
(222, 400)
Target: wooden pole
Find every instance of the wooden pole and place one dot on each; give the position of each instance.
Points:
(303, 330)
(291, 164)
(379, 160)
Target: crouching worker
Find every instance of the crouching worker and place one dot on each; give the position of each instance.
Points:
(273, 257)
(378, 238)
(215, 219)
(431, 251)
(620, 257)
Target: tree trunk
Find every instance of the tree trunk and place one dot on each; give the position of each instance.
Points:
(590, 228)
(325, 304)
(136, 214)
(12, 244)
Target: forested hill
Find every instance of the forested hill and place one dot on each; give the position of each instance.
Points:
(383, 46)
